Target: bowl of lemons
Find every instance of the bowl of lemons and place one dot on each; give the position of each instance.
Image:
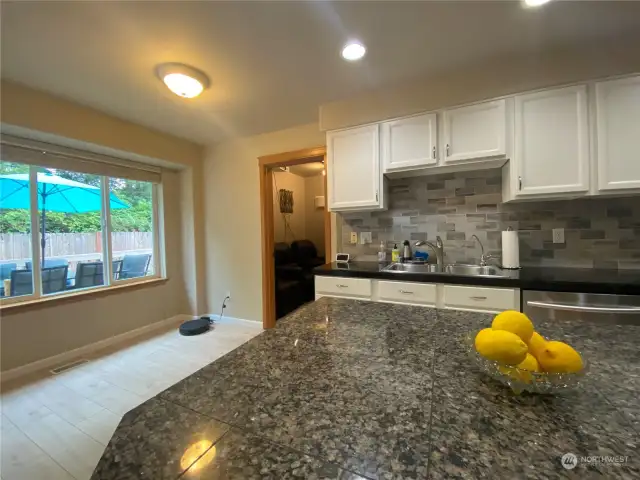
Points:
(512, 352)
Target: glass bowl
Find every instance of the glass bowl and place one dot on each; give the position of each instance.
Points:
(521, 380)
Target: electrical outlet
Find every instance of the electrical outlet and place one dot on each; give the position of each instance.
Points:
(558, 235)
(365, 237)
(354, 237)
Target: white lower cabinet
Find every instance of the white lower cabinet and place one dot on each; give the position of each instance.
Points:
(482, 299)
(406, 292)
(455, 297)
(343, 287)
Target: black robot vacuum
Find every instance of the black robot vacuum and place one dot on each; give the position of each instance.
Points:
(195, 327)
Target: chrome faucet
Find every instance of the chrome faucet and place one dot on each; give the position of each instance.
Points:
(438, 248)
(483, 257)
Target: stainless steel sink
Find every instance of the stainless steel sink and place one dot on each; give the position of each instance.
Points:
(474, 270)
(454, 269)
(413, 268)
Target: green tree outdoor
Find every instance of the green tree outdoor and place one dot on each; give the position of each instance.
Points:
(138, 218)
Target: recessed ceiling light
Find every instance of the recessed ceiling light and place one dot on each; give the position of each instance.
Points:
(183, 80)
(353, 51)
(535, 3)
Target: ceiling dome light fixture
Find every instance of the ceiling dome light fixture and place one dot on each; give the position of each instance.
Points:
(353, 51)
(183, 80)
(535, 3)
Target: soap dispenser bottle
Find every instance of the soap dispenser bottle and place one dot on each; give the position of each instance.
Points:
(395, 254)
(382, 253)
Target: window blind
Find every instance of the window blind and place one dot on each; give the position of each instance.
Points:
(15, 149)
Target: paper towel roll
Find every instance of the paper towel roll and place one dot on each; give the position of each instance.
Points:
(510, 249)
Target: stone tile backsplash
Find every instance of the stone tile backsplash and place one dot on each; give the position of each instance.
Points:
(600, 232)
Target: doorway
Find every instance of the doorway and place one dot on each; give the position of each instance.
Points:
(296, 228)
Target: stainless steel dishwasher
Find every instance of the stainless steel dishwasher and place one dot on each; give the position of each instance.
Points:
(588, 307)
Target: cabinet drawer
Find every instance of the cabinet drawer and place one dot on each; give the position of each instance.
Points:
(407, 292)
(481, 299)
(344, 287)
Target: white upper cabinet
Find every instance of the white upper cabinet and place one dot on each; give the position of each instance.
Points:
(551, 142)
(354, 177)
(474, 132)
(409, 143)
(618, 133)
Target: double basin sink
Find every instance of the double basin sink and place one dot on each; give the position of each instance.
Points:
(453, 269)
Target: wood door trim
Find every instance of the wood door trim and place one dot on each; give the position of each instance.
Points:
(265, 165)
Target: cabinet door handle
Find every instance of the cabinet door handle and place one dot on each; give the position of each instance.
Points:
(434, 153)
(478, 298)
(447, 149)
(584, 308)
(376, 195)
(406, 292)
(519, 183)
(339, 285)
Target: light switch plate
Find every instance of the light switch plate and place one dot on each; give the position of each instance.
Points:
(354, 237)
(558, 235)
(365, 237)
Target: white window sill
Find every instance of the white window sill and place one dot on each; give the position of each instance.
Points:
(80, 295)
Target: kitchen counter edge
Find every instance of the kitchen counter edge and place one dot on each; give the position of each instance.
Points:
(558, 279)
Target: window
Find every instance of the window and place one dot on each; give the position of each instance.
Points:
(132, 231)
(15, 230)
(74, 229)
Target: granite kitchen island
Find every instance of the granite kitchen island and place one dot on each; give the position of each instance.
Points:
(351, 389)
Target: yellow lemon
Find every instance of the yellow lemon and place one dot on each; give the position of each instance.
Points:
(514, 322)
(536, 344)
(530, 364)
(501, 346)
(558, 357)
(480, 334)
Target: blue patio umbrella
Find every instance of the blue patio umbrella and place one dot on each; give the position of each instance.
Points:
(56, 194)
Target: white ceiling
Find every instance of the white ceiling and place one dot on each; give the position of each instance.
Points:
(307, 169)
(271, 63)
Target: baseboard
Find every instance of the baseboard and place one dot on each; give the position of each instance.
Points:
(216, 317)
(62, 358)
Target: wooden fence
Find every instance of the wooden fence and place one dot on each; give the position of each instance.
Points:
(16, 246)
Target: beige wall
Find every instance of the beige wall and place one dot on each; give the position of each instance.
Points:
(192, 232)
(32, 109)
(232, 216)
(297, 220)
(37, 333)
(484, 81)
(314, 217)
(50, 329)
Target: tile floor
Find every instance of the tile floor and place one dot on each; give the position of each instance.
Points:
(56, 426)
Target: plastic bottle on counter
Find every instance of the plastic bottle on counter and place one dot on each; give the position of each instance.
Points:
(382, 253)
(395, 254)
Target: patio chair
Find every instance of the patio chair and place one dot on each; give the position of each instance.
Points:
(21, 282)
(134, 266)
(90, 274)
(116, 268)
(50, 263)
(6, 269)
(54, 279)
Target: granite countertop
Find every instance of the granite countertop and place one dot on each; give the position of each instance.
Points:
(560, 279)
(352, 389)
